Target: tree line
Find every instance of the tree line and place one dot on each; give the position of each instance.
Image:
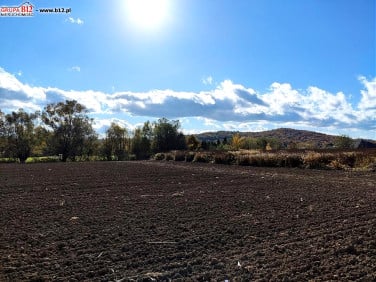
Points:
(64, 129)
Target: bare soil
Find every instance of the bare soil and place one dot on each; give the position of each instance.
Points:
(160, 221)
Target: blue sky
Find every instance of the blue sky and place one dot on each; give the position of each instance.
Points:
(246, 65)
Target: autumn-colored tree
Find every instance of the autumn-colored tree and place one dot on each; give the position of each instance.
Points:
(237, 141)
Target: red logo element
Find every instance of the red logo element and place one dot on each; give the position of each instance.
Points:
(24, 10)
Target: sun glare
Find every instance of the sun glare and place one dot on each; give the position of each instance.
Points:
(147, 14)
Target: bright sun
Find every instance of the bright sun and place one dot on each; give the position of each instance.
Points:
(147, 14)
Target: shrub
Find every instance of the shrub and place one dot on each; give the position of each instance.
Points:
(347, 159)
(159, 156)
(364, 160)
(132, 157)
(243, 159)
(293, 160)
(51, 159)
(224, 158)
(317, 160)
(189, 156)
(9, 160)
(202, 158)
(336, 164)
(179, 156)
(310, 159)
(169, 157)
(270, 160)
(253, 160)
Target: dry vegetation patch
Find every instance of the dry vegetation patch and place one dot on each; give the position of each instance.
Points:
(323, 159)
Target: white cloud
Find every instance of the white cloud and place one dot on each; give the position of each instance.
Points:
(75, 68)
(228, 106)
(101, 125)
(210, 123)
(15, 105)
(93, 100)
(11, 86)
(281, 98)
(75, 21)
(324, 105)
(244, 126)
(207, 80)
(368, 99)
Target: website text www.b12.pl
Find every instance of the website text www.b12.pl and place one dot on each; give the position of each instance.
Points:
(54, 10)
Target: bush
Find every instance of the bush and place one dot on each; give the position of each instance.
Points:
(132, 157)
(249, 160)
(347, 159)
(189, 156)
(242, 159)
(293, 160)
(9, 160)
(51, 159)
(159, 156)
(317, 160)
(364, 160)
(169, 157)
(179, 156)
(336, 164)
(224, 158)
(302, 159)
(202, 158)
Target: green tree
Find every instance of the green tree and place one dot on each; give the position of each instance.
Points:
(41, 135)
(166, 136)
(91, 146)
(204, 145)
(116, 142)
(249, 143)
(343, 142)
(19, 127)
(192, 143)
(261, 143)
(3, 135)
(273, 143)
(265, 143)
(106, 149)
(181, 143)
(141, 142)
(147, 130)
(292, 145)
(71, 128)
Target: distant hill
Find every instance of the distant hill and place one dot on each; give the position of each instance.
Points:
(285, 135)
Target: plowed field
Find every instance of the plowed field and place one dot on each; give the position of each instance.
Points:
(160, 221)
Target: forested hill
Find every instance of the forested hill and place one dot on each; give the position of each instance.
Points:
(283, 135)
